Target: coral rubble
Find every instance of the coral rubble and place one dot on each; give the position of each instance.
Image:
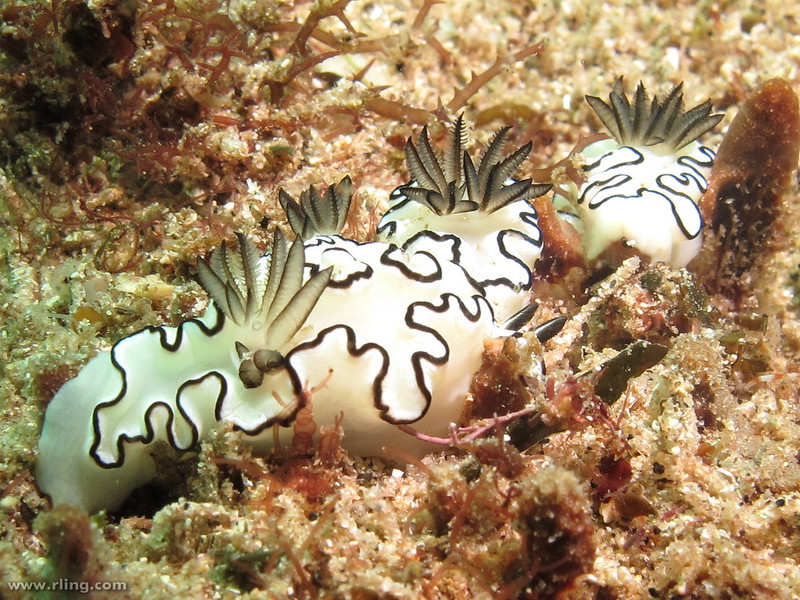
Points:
(655, 451)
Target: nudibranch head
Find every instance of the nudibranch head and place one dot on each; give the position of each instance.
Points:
(175, 384)
(480, 205)
(642, 185)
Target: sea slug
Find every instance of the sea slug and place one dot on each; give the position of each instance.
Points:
(386, 332)
(641, 186)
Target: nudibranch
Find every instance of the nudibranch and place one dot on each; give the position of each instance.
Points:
(174, 384)
(482, 209)
(383, 332)
(643, 184)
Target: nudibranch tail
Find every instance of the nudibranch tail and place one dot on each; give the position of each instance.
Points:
(159, 384)
(648, 122)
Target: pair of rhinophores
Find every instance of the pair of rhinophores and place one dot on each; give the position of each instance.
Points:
(386, 332)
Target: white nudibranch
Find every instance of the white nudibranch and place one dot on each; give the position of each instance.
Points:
(174, 384)
(387, 332)
(642, 185)
(481, 208)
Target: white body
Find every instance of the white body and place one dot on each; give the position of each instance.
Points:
(498, 249)
(395, 338)
(645, 197)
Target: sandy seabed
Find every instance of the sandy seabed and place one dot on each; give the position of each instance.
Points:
(137, 136)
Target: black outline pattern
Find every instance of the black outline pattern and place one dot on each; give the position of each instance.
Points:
(419, 356)
(333, 241)
(122, 439)
(528, 216)
(399, 264)
(599, 191)
(353, 349)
